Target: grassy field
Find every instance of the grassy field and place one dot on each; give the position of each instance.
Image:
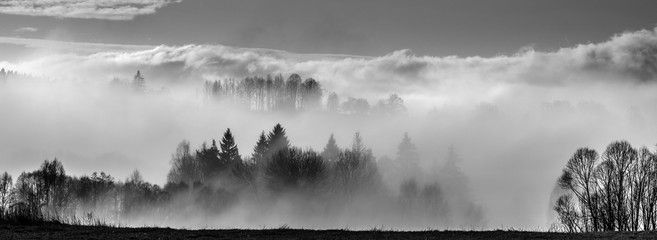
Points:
(61, 231)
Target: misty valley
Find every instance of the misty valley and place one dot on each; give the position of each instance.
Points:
(276, 185)
(129, 119)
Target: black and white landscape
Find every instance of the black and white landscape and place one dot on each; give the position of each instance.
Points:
(358, 115)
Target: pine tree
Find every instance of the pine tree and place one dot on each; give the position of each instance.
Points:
(229, 152)
(358, 145)
(261, 148)
(209, 161)
(331, 150)
(407, 157)
(277, 139)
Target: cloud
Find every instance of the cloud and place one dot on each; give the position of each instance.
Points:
(627, 57)
(71, 47)
(26, 30)
(98, 9)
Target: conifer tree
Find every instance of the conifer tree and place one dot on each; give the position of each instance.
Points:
(229, 152)
(261, 148)
(277, 139)
(331, 150)
(407, 157)
(209, 160)
(358, 145)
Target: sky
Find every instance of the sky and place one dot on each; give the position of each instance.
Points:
(365, 27)
(517, 86)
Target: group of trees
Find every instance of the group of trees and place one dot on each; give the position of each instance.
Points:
(616, 191)
(49, 194)
(214, 178)
(7, 75)
(276, 168)
(293, 94)
(268, 93)
(137, 84)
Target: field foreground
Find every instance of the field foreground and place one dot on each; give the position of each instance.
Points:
(60, 231)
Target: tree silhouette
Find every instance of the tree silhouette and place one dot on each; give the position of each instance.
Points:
(358, 145)
(356, 106)
(138, 82)
(229, 152)
(209, 163)
(331, 150)
(277, 139)
(184, 167)
(617, 193)
(579, 177)
(311, 94)
(261, 148)
(292, 169)
(291, 92)
(3, 75)
(408, 158)
(5, 190)
(333, 102)
(51, 178)
(392, 105)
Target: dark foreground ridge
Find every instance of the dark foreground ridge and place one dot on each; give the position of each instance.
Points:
(61, 231)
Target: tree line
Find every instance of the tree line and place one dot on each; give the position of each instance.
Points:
(215, 178)
(257, 93)
(293, 94)
(615, 191)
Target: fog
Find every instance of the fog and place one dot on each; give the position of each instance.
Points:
(514, 120)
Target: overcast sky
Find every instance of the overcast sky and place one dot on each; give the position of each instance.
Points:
(364, 27)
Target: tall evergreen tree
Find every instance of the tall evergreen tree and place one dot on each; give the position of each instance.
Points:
(407, 157)
(277, 139)
(261, 148)
(331, 150)
(358, 145)
(208, 158)
(229, 152)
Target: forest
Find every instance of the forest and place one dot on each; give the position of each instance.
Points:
(277, 184)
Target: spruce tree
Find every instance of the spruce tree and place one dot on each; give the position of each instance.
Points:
(331, 150)
(358, 145)
(261, 148)
(209, 160)
(277, 139)
(407, 157)
(229, 152)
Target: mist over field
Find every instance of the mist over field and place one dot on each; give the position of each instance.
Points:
(122, 112)
(513, 120)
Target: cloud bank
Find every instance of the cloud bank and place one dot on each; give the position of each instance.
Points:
(627, 57)
(98, 9)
